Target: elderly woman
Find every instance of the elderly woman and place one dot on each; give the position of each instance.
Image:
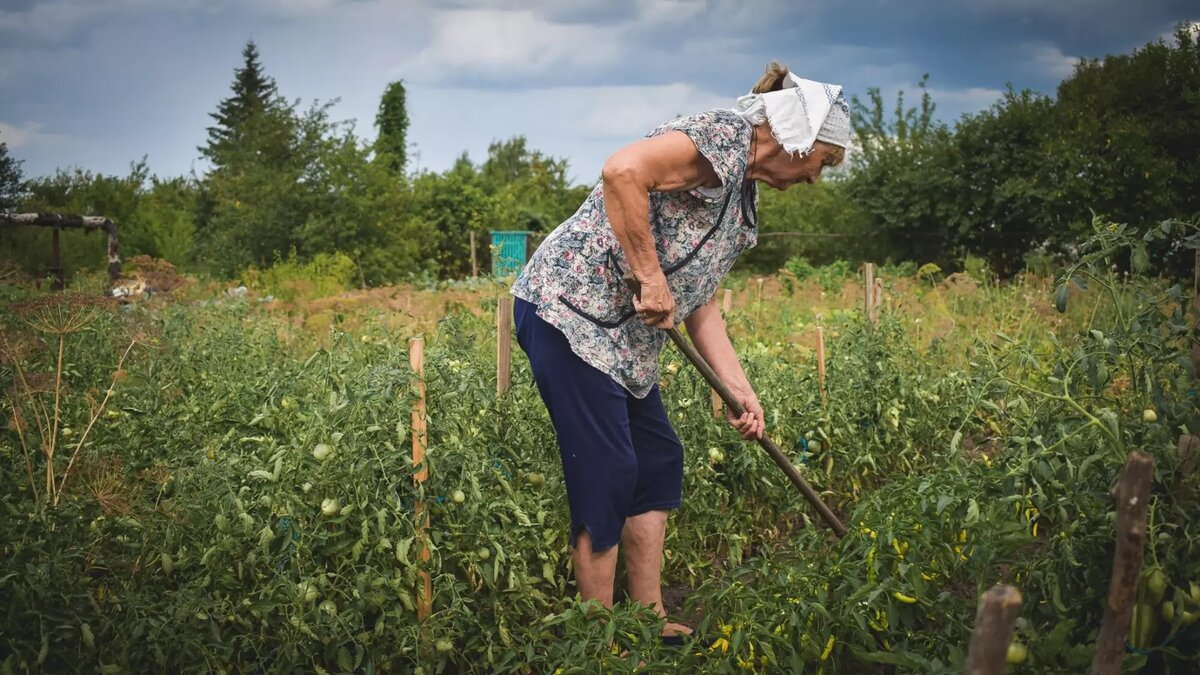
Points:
(675, 210)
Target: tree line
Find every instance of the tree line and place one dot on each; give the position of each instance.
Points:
(1021, 179)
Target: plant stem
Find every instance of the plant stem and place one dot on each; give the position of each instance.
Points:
(91, 423)
(17, 419)
(54, 428)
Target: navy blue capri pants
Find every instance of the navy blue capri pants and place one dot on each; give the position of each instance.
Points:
(620, 455)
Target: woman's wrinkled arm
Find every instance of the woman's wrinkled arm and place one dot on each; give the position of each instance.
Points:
(706, 327)
(665, 163)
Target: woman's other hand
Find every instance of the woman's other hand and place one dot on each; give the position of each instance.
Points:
(751, 424)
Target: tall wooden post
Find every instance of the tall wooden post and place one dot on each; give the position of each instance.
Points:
(994, 621)
(503, 345)
(416, 358)
(1132, 496)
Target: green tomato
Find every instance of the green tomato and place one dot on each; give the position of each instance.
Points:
(330, 506)
(484, 553)
(715, 455)
(1149, 416)
(536, 479)
(328, 606)
(458, 496)
(307, 591)
(1017, 653)
(1156, 583)
(68, 432)
(322, 452)
(445, 646)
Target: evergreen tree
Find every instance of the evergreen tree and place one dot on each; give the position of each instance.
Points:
(240, 118)
(12, 185)
(392, 120)
(250, 204)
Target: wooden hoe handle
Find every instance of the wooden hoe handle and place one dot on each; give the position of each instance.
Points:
(781, 460)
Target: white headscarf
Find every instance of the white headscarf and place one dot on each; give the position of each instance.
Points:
(800, 114)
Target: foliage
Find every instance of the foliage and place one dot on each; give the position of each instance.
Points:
(12, 184)
(323, 275)
(830, 277)
(238, 135)
(1015, 184)
(250, 504)
(832, 227)
(902, 174)
(81, 192)
(1127, 139)
(1121, 140)
(391, 143)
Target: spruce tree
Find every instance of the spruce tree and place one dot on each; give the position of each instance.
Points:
(255, 96)
(392, 121)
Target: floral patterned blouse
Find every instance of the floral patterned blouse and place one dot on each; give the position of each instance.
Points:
(575, 278)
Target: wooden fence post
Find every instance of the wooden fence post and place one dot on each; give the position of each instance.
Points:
(821, 366)
(503, 345)
(727, 301)
(1132, 496)
(416, 358)
(994, 621)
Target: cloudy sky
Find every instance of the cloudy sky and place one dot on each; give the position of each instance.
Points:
(99, 83)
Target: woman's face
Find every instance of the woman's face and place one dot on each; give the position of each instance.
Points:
(780, 170)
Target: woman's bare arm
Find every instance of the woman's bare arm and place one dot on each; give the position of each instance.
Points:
(665, 163)
(706, 328)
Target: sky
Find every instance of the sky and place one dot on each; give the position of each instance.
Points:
(98, 84)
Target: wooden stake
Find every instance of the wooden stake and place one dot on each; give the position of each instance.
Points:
(821, 366)
(869, 291)
(727, 301)
(1132, 496)
(994, 621)
(503, 345)
(474, 263)
(416, 358)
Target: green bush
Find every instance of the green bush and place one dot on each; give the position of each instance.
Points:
(324, 275)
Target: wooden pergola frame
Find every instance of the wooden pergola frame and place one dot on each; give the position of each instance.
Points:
(60, 221)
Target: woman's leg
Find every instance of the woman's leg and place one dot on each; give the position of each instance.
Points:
(660, 483)
(590, 417)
